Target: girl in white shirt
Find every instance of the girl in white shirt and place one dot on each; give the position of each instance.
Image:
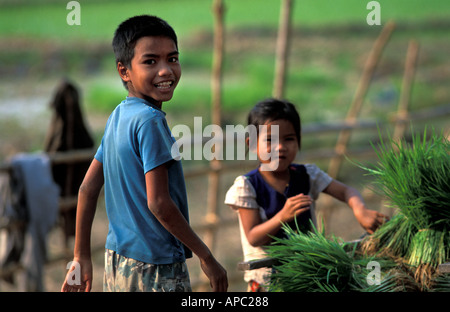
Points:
(267, 197)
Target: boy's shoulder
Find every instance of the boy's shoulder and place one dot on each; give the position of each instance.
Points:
(137, 109)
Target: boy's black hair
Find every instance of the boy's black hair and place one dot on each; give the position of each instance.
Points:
(134, 28)
(275, 109)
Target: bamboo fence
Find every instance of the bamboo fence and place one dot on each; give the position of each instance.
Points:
(216, 168)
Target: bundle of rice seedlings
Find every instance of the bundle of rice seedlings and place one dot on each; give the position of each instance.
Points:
(311, 262)
(392, 239)
(416, 181)
(441, 283)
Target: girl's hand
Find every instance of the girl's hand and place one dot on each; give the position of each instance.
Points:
(259, 232)
(294, 206)
(370, 220)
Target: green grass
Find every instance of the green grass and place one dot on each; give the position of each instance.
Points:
(98, 19)
(325, 65)
(47, 19)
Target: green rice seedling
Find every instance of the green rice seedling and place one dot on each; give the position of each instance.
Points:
(441, 283)
(392, 239)
(313, 263)
(429, 246)
(415, 178)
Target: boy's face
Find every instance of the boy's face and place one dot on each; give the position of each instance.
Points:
(155, 70)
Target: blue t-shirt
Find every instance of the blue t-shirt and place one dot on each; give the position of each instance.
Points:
(137, 139)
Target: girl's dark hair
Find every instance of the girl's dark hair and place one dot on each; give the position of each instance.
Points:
(274, 109)
(134, 28)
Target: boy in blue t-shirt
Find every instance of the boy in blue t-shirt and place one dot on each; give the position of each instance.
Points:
(149, 235)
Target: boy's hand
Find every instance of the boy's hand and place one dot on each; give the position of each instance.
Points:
(216, 274)
(294, 206)
(81, 282)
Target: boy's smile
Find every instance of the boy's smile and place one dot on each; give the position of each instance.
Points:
(155, 70)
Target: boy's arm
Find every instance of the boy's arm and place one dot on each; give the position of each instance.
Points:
(370, 220)
(87, 203)
(165, 210)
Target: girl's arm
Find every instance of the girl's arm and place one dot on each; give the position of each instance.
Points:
(370, 220)
(164, 209)
(258, 232)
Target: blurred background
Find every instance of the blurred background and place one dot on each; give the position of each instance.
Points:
(330, 45)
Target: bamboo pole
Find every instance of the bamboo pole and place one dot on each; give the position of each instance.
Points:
(405, 95)
(363, 86)
(212, 217)
(403, 105)
(353, 112)
(216, 92)
(282, 48)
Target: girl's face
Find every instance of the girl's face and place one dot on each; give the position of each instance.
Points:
(277, 148)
